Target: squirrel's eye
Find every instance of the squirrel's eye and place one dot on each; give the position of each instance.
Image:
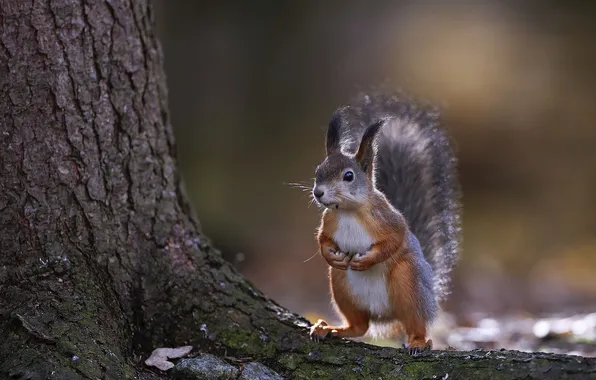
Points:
(349, 176)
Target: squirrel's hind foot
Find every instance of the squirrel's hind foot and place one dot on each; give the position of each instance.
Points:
(418, 348)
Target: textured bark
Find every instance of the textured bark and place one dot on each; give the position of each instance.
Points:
(89, 189)
(101, 258)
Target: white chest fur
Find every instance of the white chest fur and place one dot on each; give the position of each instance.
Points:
(369, 287)
(351, 236)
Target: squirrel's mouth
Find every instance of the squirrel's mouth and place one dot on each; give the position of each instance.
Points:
(331, 205)
(328, 202)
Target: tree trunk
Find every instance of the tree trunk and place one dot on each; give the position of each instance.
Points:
(101, 258)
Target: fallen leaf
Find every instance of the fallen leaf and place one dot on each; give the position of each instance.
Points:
(159, 357)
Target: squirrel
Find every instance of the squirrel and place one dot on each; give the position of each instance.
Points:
(391, 221)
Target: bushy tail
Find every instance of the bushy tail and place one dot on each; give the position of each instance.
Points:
(416, 169)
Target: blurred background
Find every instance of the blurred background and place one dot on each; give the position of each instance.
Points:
(252, 86)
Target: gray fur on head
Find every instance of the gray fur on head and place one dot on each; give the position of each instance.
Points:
(416, 169)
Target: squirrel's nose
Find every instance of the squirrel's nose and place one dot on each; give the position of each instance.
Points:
(318, 192)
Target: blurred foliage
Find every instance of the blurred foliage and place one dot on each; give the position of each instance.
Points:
(252, 85)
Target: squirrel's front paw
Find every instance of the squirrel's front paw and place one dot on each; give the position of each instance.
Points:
(361, 262)
(338, 259)
(319, 331)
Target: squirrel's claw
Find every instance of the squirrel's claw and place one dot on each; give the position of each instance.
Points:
(413, 351)
(416, 351)
(318, 332)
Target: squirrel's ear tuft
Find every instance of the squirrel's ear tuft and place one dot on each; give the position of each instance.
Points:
(332, 142)
(365, 154)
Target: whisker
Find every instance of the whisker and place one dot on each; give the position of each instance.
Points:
(300, 185)
(306, 187)
(310, 258)
(307, 196)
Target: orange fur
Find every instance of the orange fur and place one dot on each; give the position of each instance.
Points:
(403, 291)
(356, 321)
(388, 229)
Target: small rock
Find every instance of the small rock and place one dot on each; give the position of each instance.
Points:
(257, 371)
(204, 367)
